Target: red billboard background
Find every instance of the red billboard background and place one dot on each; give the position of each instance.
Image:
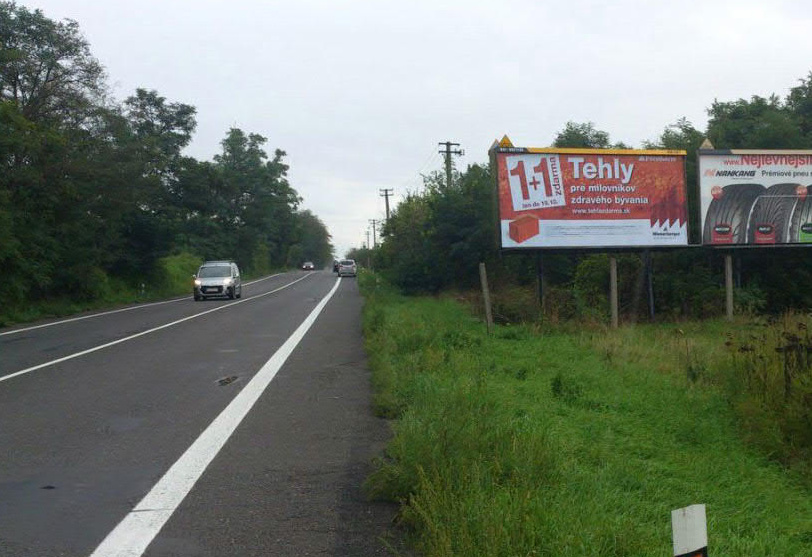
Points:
(635, 195)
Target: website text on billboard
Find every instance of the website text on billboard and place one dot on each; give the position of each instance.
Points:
(567, 198)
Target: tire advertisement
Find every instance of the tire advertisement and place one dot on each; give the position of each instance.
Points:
(591, 198)
(755, 198)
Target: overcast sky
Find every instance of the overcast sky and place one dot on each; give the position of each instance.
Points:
(359, 93)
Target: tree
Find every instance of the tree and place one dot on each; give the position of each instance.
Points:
(158, 132)
(311, 241)
(582, 135)
(406, 255)
(255, 202)
(46, 67)
(760, 123)
(799, 103)
(162, 130)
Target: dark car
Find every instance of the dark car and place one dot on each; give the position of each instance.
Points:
(335, 265)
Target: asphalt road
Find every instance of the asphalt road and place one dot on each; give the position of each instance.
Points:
(216, 428)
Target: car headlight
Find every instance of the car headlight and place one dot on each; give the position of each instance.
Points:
(227, 281)
(197, 282)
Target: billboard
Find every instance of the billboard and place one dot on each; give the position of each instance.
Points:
(755, 198)
(590, 198)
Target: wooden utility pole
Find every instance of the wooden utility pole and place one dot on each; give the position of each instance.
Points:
(448, 151)
(374, 223)
(386, 193)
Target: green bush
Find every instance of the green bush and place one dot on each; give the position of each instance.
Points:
(88, 283)
(173, 274)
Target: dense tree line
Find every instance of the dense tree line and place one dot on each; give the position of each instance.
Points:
(95, 192)
(435, 238)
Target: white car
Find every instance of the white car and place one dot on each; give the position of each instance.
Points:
(217, 279)
(308, 266)
(347, 268)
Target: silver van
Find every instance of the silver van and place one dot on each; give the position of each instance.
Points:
(217, 279)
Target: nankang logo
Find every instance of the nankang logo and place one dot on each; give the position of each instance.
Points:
(722, 229)
(764, 228)
(731, 173)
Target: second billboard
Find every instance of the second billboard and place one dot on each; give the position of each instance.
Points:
(755, 198)
(577, 198)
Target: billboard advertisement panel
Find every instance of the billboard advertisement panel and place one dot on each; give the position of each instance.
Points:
(590, 198)
(755, 197)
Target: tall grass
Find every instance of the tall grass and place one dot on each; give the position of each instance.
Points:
(543, 443)
(761, 367)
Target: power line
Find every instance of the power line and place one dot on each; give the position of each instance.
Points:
(412, 183)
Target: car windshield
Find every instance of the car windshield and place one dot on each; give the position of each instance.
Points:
(348, 262)
(214, 271)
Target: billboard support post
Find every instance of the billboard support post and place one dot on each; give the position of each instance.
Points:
(729, 285)
(613, 289)
(542, 283)
(486, 296)
(649, 283)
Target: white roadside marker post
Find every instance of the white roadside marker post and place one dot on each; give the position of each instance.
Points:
(690, 531)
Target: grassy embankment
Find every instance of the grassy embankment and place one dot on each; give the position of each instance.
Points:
(170, 278)
(576, 443)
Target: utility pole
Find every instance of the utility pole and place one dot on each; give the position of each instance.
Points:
(374, 240)
(448, 151)
(386, 193)
(369, 263)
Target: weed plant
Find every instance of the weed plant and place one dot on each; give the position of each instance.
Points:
(529, 442)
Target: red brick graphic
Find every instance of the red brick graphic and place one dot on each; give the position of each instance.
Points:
(523, 228)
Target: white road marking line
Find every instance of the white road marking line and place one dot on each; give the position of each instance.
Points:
(136, 531)
(72, 319)
(142, 333)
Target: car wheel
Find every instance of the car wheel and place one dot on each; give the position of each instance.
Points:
(197, 298)
(230, 293)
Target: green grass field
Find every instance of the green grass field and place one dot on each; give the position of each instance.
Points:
(531, 442)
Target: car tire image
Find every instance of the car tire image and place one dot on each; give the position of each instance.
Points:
(800, 227)
(731, 208)
(771, 214)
